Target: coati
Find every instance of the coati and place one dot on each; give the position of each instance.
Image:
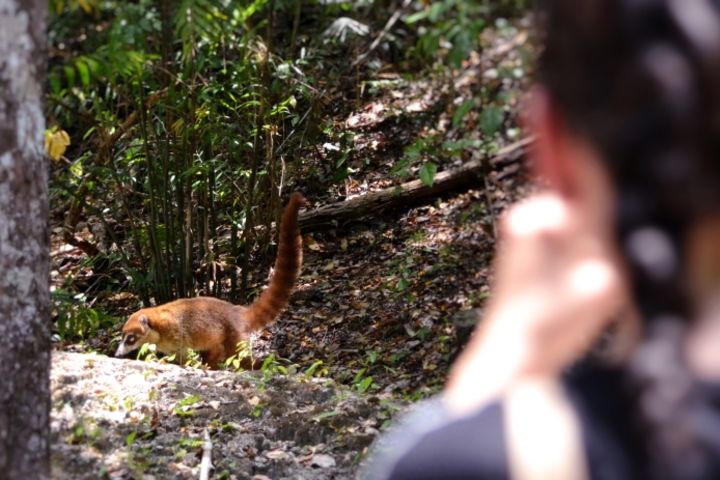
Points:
(214, 327)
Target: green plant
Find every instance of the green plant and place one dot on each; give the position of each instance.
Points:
(257, 410)
(85, 432)
(138, 460)
(183, 408)
(402, 274)
(388, 409)
(187, 117)
(74, 319)
(271, 367)
(456, 22)
(148, 352)
(190, 443)
(316, 370)
(243, 352)
(326, 415)
(419, 152)
(189, 358)
(362, 382)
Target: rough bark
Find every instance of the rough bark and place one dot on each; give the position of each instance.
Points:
(409, 194)
(24, 262)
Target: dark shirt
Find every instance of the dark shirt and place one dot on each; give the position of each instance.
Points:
(432, 445)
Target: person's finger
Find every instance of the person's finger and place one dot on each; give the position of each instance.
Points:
(540, 215)
(592, 280)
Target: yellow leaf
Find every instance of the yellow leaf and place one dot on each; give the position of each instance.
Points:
(86, 5)
(311, 243)
(177, 127)
(56, 143)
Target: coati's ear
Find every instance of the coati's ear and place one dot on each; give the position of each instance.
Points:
(143, 320)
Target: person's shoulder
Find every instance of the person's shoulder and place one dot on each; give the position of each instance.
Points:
(431, 444)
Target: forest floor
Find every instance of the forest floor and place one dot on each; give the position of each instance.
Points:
(122, 419)
(381, 309)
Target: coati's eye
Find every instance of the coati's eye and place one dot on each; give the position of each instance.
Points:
(130, 339)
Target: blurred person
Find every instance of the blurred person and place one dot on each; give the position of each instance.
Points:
(627, 119)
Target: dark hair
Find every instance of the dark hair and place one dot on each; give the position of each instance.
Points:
(640, 79)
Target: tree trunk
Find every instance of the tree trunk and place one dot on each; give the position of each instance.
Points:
(24, 263)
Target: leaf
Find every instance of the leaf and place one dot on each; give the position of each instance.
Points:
(86, 5)
(430, 43)
(84, 72)
(359, 375)
(491, 120)
(189, 400)
(416, 17)
(462, 44)
(311, 369)
(436, 10)
(460, 113)
(56, 143)
(427, 173)
(365, 384)
(324, 415)
(55, 85)
(69, 75)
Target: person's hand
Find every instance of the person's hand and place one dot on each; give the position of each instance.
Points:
(558, 284)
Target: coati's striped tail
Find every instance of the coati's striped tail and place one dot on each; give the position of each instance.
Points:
(287, 267)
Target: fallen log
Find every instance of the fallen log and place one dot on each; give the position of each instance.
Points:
(411, 193)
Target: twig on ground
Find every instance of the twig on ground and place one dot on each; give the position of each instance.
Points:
(206, 462)
(390, 23)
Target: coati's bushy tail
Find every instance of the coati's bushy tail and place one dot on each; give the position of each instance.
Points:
(287, 266)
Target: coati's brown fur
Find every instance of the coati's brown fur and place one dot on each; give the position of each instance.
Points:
(214, 327)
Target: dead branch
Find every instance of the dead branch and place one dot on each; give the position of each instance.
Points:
(410, 193)
(206, 462)
(390, 23)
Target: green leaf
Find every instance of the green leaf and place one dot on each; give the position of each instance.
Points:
(311, 369)
(189, 400)
(359, 375)
(427, 173)
(69, 75)
(324, 415)
(460, 113)
(55, 85)
(84, 72)
(430, 43)
(456, 147)
(372, 356)
(416, 17)
(365, 384)
(462, 40)
(491, 120)
(436, 10)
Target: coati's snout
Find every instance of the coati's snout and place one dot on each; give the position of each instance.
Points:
(135, 332)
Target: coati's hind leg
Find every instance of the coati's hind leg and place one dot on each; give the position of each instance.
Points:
(214, 356)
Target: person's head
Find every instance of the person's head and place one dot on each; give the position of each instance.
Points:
(627, 114)
(635, 86)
